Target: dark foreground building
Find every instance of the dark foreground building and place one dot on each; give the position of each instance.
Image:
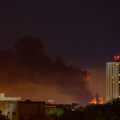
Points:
(28, 110)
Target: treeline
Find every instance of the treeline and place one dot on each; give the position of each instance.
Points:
(108, 111)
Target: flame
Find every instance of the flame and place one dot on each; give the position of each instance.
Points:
(94, 101)
(100, 100)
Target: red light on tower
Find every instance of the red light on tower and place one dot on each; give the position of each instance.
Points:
(117, 58)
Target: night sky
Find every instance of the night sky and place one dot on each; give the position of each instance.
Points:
(84, 33)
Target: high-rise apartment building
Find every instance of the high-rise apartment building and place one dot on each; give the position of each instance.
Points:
(113, 79)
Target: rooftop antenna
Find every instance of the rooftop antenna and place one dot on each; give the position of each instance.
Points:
(97, 98)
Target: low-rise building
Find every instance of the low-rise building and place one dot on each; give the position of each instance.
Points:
(8, 106)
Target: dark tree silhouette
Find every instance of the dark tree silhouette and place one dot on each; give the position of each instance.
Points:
(108, 111)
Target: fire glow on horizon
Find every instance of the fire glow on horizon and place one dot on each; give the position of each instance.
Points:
(95, 101)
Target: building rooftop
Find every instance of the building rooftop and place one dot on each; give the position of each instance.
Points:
(3, 98)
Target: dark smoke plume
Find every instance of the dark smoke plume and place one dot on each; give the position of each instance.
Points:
(28, 71)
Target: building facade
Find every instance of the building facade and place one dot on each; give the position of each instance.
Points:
(15, 109)
(31, 110)
(113, 79)
(8, 106)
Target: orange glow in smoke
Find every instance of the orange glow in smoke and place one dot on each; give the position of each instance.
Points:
(94, 101)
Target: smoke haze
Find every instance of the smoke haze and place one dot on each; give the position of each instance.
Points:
(30, 72)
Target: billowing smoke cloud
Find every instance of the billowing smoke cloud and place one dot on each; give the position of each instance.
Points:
(29, 71)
